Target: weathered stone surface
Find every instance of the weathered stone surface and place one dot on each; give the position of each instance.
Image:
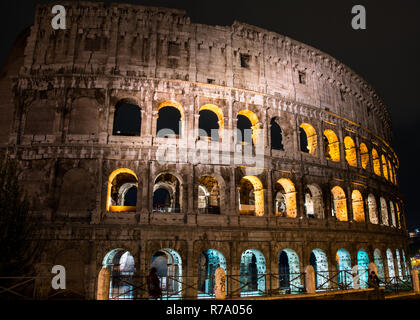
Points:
(59, 113)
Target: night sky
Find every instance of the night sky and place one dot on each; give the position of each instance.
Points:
(386, 54)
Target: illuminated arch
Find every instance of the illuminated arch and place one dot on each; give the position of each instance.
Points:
(252, 117)
(391, 175)
(258, 194)
(363, 265)
(252, 271)
(384, 212)
(340, 204)
(174, 104)
(344, 267)
(399, 266)
(311, 137)
(332, 146)
(112, 176)
(377, 259)
(289, 269)
(217, 110)
(372, 209)
(398, 215)
(289, 197)
(350, 150)
(376, 162)
(314, 205)
(357, 204)
(208, 262)
(392, 209)
(364, 155)
(168, 264)
(391, 267)
(318, 260)
(384, 167)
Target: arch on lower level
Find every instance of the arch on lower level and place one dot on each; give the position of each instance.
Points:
(252, 273)
(289, 271)
(344, 268)
(208, 262)
(390, 263)
(363, 268)
(168, 264)
(377, 259)
(121, 265)
(318, 260)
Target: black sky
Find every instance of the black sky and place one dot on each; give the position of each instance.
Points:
(386, 54)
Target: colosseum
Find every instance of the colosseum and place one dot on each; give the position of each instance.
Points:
(145, 140)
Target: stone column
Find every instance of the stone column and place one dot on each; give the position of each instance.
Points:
(189, 274)
(349, 202)
(415, 280)
(103, 284)
(310, 279)
(220, 284)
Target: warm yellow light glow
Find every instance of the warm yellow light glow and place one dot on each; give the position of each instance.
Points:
(398, 216)
(289, 188)
(122, 208)
(171, 103)
(311, 136)
(384, 167)
(218, 111)
(332, 151)
(254, 121)
(258, 193)
(364, 155)
(391, 176)
(340, 205)
(376, 162)
(357, 204)
(111, 178)
(350, 149)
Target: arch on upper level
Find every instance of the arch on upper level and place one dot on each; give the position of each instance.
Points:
(364, 155)
(253, 125)
(122, 191)
(251, 196)
(384, 167)
(339, 203)
(285, 198)
(376, 162)
(211, 121)
(170, 119)
(358, 206)
(350, 151)
(308, 138)
(331, 145)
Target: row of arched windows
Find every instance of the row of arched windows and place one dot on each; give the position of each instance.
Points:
(253, 271)
(167, 197)
(127, 122)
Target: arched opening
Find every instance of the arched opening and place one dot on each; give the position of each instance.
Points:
(344, 269)
(350, 150)
(208, 125)
(407, 271)
(308, 138)
(363, 268)
(208, 195)
(122, 191)
(339, 204)
(384, 212)
(398, 216)
(384, 167)
(285, 199)
(331, 145)
(208, 262)
(391, 175)
(373, 210)
(358, 208)
(390, 263)
(168, 264)
(251, 196)
(170, 119)
(289, 272)
(120, 263)
(393, 220)
(318, 260)
(364, 155)
(276, 135)
(252, 271)
(247, 127)
(399, 267)
(314, 207)
(377, 259)
(376, 162)
(166, 193)
(127, 119)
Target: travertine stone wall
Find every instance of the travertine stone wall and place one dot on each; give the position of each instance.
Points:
(59, 106)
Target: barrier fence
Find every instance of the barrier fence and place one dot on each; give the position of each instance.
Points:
(130, 287)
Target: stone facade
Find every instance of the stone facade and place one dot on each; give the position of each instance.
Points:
(59, 94)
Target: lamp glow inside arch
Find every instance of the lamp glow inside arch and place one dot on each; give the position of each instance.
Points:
(254, 121)
(112, 176)
(340, 205)
(218, 111)
(258, 193)
(311, 137)
(333, 149)
(290, 197)
(364, 155)
(376, 162)
(350, 149)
